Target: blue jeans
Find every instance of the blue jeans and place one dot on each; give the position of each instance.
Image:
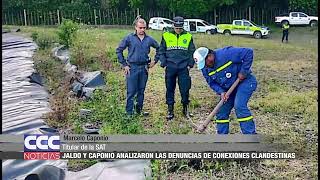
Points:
(239, 100)
(136, 85)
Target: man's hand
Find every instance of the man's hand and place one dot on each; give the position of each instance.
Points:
(241, 76)
(127, 70)
(150, 65)
(224, 96)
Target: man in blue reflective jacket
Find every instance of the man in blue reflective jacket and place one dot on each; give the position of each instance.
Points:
(221, 68)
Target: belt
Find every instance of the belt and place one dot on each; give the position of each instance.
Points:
(139, 63)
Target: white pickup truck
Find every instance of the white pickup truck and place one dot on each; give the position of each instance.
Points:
(297, 18)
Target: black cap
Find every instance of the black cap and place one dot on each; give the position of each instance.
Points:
(178, 22)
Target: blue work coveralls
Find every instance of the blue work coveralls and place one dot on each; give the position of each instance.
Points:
(138, 60)
(230, 61)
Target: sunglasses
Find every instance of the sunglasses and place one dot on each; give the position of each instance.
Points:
(142, 27)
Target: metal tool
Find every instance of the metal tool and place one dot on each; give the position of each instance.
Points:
(204, 125)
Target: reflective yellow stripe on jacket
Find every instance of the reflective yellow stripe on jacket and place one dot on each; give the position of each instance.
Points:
(220, 68)
(173, 42)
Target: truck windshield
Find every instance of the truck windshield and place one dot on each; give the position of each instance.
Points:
(206, 23)
(253, 23)
(168, 21)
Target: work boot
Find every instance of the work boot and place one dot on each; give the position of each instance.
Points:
(185, 111)
(170, 115)
(139, 112)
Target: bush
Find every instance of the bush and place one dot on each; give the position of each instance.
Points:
(6, 29)
(44, 40)
(67, 32)
(34, 36)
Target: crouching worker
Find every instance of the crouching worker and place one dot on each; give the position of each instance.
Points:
(221, 68)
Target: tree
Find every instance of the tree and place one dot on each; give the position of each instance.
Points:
(309, 6)
(192, 7)
(119, 4)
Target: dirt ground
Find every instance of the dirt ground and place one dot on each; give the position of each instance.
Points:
(298, 35)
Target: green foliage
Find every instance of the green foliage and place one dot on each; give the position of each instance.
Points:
(67, 32)
(49, 68)
(108, 107)
(34, 36)
(135, 3)
(44, 40)
(79, 54)
(120, 4)
(192, 7)
(77, 165)
(56, 82)
(292, 103)
(189, 8)
(304, 5)
(182, 7)
(92, 54)
(155, 167)
(6, 28)
(32, 4)
(75, 6)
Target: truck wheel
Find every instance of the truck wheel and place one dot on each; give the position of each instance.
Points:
(283, 22)
(214, 31)
(227, 32)
(313, 23)
(257, 34)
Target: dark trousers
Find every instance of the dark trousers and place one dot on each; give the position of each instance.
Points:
(136, 85)
(184, 82)
(285, 34)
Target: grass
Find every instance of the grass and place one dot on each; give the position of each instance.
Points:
(108, 107)
(284, 105)
(78, 165)
(57, 84)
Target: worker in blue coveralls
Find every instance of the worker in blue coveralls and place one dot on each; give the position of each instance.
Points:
(221, 68)
(137, 64)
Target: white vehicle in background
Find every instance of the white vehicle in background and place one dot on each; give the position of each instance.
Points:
(199, 25)
(297, 18)
(160, 23)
